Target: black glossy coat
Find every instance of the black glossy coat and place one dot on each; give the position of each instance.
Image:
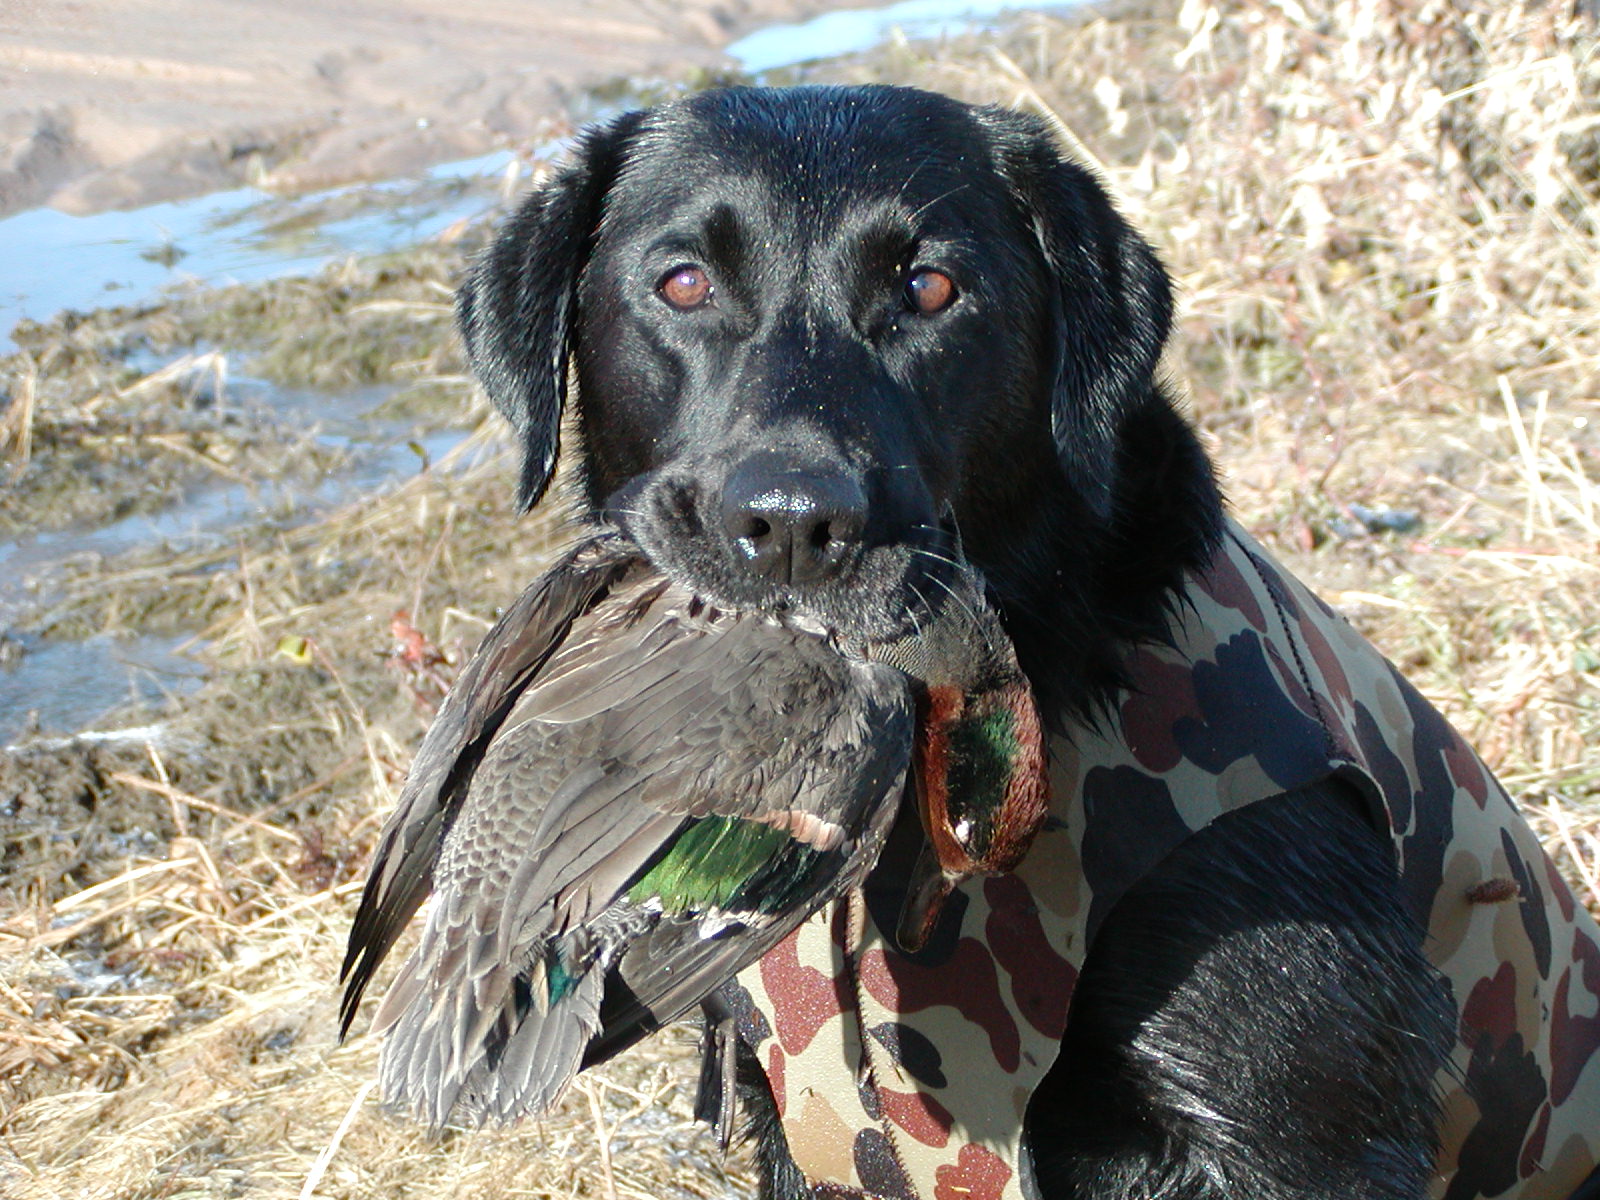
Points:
(1027, 417)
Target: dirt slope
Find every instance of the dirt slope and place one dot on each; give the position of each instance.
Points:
(111, 103)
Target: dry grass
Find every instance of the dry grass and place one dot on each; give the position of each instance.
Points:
(1382, 218)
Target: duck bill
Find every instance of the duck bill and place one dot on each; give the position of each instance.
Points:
(929, 887)
(940, 865)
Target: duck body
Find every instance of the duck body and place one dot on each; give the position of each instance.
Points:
(627, 797)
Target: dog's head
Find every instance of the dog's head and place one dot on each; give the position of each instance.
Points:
(816, 332)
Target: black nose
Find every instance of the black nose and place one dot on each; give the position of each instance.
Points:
(793, 524)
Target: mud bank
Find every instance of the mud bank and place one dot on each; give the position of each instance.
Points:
(111, 103)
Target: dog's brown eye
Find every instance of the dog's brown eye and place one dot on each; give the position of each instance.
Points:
(929, 291)
(685, 288)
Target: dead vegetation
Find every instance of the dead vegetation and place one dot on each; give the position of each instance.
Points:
(1382, 218)
(121, 411)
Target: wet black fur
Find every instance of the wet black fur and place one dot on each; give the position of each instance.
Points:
(1256, 1019)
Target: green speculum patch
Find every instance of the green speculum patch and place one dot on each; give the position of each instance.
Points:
(729, 864)
(558, 979)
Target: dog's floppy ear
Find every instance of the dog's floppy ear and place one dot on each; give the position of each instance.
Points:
(1111, 300)
(515, 309)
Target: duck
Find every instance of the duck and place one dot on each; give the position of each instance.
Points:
(631, 793)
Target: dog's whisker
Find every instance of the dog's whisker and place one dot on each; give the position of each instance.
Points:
(957, 598)
(916, 213)
(916, 625)
(938, 558)
(912, 175)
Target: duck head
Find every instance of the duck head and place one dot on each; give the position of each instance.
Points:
(978, 759)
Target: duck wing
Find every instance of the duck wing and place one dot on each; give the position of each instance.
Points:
(501, 667)
(674, 791)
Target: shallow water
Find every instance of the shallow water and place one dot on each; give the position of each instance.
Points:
(208, 515)
(70, 685)
(60, 686)
(836, 33)
(54, 262)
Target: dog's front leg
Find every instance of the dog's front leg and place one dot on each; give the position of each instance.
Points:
(1256, 1020)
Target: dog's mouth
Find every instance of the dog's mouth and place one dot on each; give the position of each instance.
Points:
(877, 587)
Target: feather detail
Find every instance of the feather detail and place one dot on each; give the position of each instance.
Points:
(627, 798)
(631, 794)
(408, 848)
(717, 860)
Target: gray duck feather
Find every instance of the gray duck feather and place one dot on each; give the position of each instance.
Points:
(628, 796)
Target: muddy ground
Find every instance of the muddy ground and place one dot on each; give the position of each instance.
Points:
(114, 103)
(1388, 337)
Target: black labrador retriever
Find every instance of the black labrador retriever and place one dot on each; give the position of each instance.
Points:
(818, 335)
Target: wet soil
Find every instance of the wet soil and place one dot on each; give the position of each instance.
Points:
(113, 103)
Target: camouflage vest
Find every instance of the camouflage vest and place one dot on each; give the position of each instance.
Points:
(900, 1080)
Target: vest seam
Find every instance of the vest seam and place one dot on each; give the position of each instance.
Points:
(1330, 744)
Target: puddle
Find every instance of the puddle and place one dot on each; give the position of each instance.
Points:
(65, 686)
(70, 685)
(837, 33)
(208, 515)
(54, 261)
(380, 453)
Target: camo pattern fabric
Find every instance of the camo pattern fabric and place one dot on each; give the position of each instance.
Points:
(901, 1077)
